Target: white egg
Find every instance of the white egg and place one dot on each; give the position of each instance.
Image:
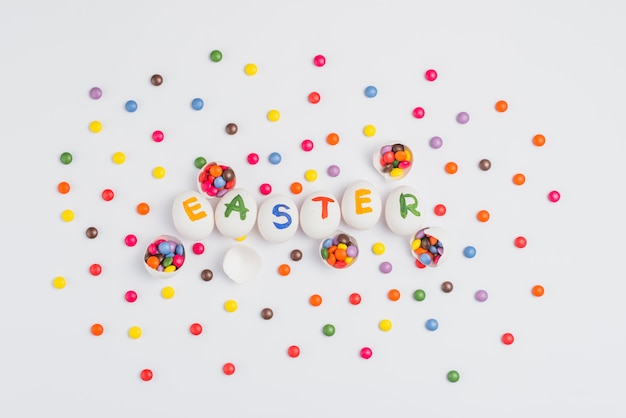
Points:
(403, 212)
(193, 215)
(235, 213)
(361, 205)
(278, 218)
(320, 215)
(241, 263)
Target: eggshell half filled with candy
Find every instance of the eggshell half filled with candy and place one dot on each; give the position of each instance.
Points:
(361, 205)
(431, 246)
(241, 263)
(193, 215)
(236, 213)
(393, 161)
(278, 218)
(320, 215)
(339, 251)
(216, 179)
(164, 256)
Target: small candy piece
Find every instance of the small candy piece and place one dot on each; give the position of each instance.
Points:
(253, 158)
(537, 290)
(539, 140)
(507, 338)
(130, 240)
(332, 138)
(198, 248)
(385, 267)
(199, 162)
(385, 325)
(119, 157)
(63, 187)
(314, 97)
(355, 298)
(107, 195)
(293, 351)
(215, 55)
(481, 295)
(267, 314)
(393, 295)
(447, 287)
(469, 252)
(273, 115)
(295, 187)
(265, 189)
(131, 106)
(483, 215)
(319, 60)
(306, 145)
(95, 126)
(197, 104)
(430, 75)
(231, 128)
(484, 164)
(366, 353)
(66, 158)
(230, 305)
(501, 106)
(371, 91)
(130, 296)
(228, 369)
(206, 275)
(158, 172)
(554, 196)
(284, 269)
(418, 112)
(435, 142)
(462, 118)
(95, 269)
(419, 295)
(156, 80)
(451, 167)
(328, 330)
(378, 248)
(296, 255)
(91, 232)
(315, 300)
(440, 209)
(369, 130)
(95, 93)
(195, 329)
(520, 242)
(333, 170)
(168, 292)
(275, 158)
(97, 329)
(143, 208)
(432, 324)
(134, 332)
(250, 69)
(58, 282)
(453, 376)
(310, 175)
(519, 179)
(146, 375)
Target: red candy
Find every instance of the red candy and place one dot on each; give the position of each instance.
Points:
(95, 269)
(520, 242)
(198, 248)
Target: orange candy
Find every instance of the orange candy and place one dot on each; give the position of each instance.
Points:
(537, 290)
(539, 140)
(451, 167)
(153, 262)
(519, 179)
(284, 269)
(400, 155)
(501, 106)
(215, 170)
(143, 208)
(315, 300)
(63, 187)
(393, 294)
(97, 329)
(332, 139)
(340, 254)
(483, 216)
(296, 188)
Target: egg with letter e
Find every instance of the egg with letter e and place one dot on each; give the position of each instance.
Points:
(192, 215)
(361, 205)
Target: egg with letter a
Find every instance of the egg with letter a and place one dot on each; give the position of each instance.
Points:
(235, 213)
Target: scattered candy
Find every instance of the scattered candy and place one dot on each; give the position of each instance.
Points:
(469, 252)
(462, 118)
(275, 158)
(393, 295)
(355, 298)
(554, 196)
(293, 351)
(250, 69)
(206, 275)
(130, 240)
(215, 55)
(66, 158)
(539, 140)
(418, 112)
(156, 80)
(165, 255)
(228, 369)
(339, 251)
(378, 248)
(130, 296)
(520, 242)
(119, 157)
(146, 375)
(428, 246)
(131, 106)
(385, 325)
(310, 175)
(95, 269)
(97, 329)
(158, 172)
(419, 295)
(253, 158)
(385, 267)
(332, 138)
(333, 171)
(63, 187)
(95, 126)
(314, 97)
(483, 216)
(481, 295)
(231, 128)
(306, 145)
(215, 179)
(273, 115)
(371, 91)
(430, 75)
(369, 130)
(95, 93)
(453, 376)
(319, 60)
(230, 305)
(537, 290)
(265, 189)
(91, 232)
(366, 353)
(267, 314)
(507, 338)
(168, 292)
(393, 162)
(195, 329)
(451, 167)
(284, 269)
(519, 179)
(143, 208)
(484, 164)
(501, 106)
(134, 332)
(315, 300)
(58, 282)
(197, 104)
(328, 330)
(435, 142)
(440, 209)
(447, 287)
(432, 324)
(107, 195)
(198, 248)
(295, 187)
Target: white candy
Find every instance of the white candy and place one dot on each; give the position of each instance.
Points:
(235, 213)
(361, 205)
(192, 215)
(403, 211)
(278, 218)
(320, 215)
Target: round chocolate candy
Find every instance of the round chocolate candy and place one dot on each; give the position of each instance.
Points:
(231, 128)
(484, 164)
(91, 232)
(267, 313)
(206, 275)
(296, 255)
(447, 287)
(156, 80)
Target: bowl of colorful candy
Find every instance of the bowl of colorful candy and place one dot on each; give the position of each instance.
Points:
(216, 179)
(430, 246)
(164, 257)
(394, 161)
(339, 251)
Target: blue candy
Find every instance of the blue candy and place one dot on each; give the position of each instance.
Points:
(197, 104)
(131, 106)
(469, 251)
(371, 91)
(432, 324)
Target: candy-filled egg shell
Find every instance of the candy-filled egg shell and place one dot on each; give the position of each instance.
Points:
(164, 256)
(393, 161)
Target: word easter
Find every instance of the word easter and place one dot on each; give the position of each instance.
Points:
(278, 218)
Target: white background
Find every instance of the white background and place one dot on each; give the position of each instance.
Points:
(560, 65)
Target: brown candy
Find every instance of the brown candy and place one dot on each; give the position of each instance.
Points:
(206, 275)
(484, 164)
(447, 287)
(296, 255)
(228, 175)
(397, 147)
(231, 128)
(156, 80)
(91, 232)
(267, 313)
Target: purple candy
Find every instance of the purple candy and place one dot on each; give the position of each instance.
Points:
(333, 171)
(436, 142)
(95, 93)
(222, 192)
(462, 118)
(352, 251)
(481, 295)
(385, 149)
(385, 267)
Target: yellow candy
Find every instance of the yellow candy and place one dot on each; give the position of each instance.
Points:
(67, 215)
(378, 248)
(241, 238)
(95, 126)
(169, 268)
(342, 246)
(230, 305)
(119, 157)
(158, 172)
(167, 292)
(369, 130)
(395, 172)
(134, 332)
(250, 69)
(310, 175)
(384, 325)
(349, 260)
(58, 282)
(407, 153)
(415, 244)
(273, 115)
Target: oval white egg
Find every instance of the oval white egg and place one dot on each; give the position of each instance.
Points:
(192, 215)
(403, 212)
(235, 213)
(320, 215)
(361, 205)
(241, 263)
(278, 218)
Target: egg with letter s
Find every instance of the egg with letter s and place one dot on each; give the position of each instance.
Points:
(278, 218)
(192, 215)
(235, 213)
(361, 205)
